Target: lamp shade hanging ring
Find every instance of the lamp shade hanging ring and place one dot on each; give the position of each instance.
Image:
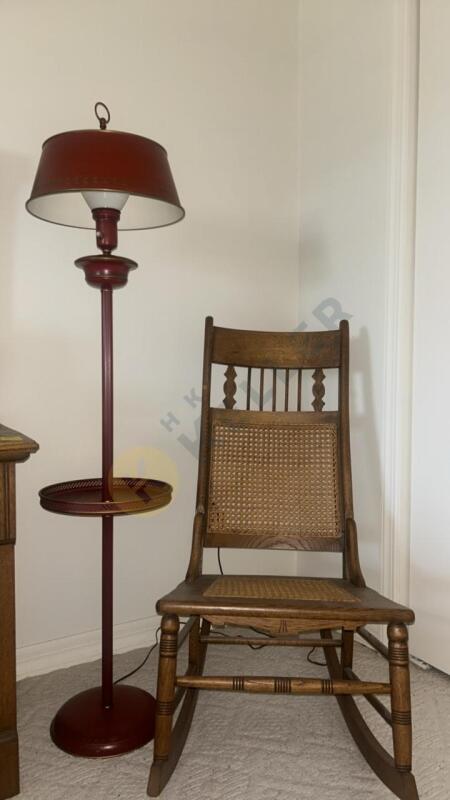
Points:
(98, 113)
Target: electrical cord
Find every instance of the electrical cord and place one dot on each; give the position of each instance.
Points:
(259, 646)
(311, 660)
(142, 664)
(255, 630)
(238, 636)
(219, 633)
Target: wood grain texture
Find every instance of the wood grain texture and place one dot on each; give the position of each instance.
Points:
(7, 503)
(246, 462)
(165, 697)
(14, 447)
(277, 626)
(347, 650)
(230, 387)
(318, 389)
(162, 768)
(281, 350)
(351, 566)
(262, 641)
(9, 764)
(299, 390)
(196, 559)
(379, 707)
(189, 598)
(9, 752)
(280, 685)
(402, 784)
(401, 696)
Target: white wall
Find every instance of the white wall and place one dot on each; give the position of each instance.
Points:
(430, 543)
(282, 121)
(216, 83)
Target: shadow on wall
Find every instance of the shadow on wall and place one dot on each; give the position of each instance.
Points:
(38, 350)
(366, 461)
(366, 466)
(14, 173)
(315, 256)
(431, 615)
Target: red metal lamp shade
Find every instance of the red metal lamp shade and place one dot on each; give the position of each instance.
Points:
(104, 161)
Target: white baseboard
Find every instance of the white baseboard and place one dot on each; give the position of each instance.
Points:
(37, 659)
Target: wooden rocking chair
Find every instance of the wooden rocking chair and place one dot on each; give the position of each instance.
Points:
(281, 479)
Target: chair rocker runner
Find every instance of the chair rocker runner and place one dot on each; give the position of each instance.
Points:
(280, 478)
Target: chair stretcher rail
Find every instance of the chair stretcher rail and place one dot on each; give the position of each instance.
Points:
(374, 702)
(272, 685)
(269, 642)
(373, 641)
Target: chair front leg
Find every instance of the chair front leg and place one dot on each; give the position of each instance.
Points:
(165, 694)
(400, 695)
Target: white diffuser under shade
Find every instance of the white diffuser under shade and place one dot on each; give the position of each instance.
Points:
(115, 200)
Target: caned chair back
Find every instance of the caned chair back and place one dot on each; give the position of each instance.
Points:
(273, 474)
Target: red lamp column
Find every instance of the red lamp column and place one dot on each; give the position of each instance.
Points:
(108, 720)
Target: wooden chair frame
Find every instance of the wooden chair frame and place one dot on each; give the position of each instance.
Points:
(283, 620)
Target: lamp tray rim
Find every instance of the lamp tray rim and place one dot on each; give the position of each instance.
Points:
(83, 497)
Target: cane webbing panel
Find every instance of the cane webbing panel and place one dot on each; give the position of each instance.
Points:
(279, 589)
(274, 479)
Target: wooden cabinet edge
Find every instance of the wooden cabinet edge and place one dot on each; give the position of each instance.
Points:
(14, 448)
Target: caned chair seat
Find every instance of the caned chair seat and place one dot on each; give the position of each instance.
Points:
(311, 599)
(275, 473)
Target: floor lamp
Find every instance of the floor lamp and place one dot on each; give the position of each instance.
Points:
(126, 182)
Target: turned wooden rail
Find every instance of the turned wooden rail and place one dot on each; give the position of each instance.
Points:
(277, 641)
(374, 642)
(374, 702)
(279, 685)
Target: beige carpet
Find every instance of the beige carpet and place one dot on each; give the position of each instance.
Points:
(240, 746)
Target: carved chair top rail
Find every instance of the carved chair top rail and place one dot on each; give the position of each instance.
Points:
(306, 350)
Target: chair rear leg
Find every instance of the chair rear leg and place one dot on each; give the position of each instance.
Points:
(197, 649)
(194, 646)
(347, 650)
(400, 695)
(165, 695)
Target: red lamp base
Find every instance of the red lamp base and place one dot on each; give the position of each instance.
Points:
(84, 727)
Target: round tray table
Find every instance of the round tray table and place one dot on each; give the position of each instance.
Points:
(83, 498)
(113, 718)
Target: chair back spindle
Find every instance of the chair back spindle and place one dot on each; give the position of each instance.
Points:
(318, 389)
(230, 387)
(299, 390)
(261, 389)
(286, 392)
